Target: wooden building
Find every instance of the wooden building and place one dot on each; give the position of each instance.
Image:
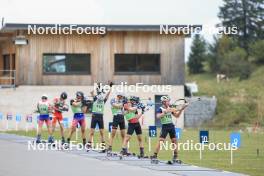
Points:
(131, 53)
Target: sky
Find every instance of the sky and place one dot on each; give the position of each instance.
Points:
(202, 12)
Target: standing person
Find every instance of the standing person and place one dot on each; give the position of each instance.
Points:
(97, 117)
(132, 116)
(78, 116)
(165, 113)
(59, 106)
(118, 118)
(44, 108)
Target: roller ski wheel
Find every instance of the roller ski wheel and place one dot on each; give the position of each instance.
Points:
(154, 161)
(142, 157)
(176, 161)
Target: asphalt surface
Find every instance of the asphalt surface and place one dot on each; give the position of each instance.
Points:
(17, 160)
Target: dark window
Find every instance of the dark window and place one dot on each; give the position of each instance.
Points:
(8, 64)
(66, 64)
(137, 63)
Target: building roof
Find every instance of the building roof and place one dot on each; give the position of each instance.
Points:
(9, 27)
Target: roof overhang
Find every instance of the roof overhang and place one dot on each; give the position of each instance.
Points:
(12, 27)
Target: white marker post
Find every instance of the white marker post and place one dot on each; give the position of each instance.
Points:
(76, 134)
(204, 139)
(231, 156)
(235, 142)
(26, 127)
(16, 126)
(7, 125)
(201, 152)
(152, 133)
(149, 142)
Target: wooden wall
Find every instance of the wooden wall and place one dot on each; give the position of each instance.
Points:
(102, 50)
(6, 48)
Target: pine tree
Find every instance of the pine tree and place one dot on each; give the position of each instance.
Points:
(197, 55)
(248, 16)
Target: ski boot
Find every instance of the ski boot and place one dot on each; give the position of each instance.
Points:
(109, 151)
(50, 140)
(38, 140)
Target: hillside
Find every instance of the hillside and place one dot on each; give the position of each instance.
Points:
(240, 103)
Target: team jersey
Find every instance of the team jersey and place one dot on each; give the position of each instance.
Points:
(98, 106)
(131, 115)
(167, 118)
(116, 111)
(43, 107)
(58, 104)
(77, 109)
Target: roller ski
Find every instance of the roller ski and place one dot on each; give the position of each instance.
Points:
(142, 156)
(155, 160)
(125, 153)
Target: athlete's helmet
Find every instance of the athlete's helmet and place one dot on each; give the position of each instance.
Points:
(79, 94)
(63, 95)
(165, 98)
(44, 96)
(120, 94)
(134, 98)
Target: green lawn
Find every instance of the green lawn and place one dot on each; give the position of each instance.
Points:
(245, 159)
(240, 103)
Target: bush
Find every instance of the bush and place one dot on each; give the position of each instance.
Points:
(235, 64)
(256, 51)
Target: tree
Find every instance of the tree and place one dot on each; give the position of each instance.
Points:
(256, 51)
(247, 16)
(197, 55)
(217, 50)
(235, 64)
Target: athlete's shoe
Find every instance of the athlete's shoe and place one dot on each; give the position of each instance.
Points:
(50, 139)
(109, 149)
(125, 153)
(38, 140)
(62, 140)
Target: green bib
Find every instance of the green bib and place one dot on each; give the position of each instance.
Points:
(166, 119)
(77, 109)
(116, 111)
(130, 115)
(43, 109)
(98, 107)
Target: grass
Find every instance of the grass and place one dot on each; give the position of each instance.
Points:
(240, 103)
(245, 161)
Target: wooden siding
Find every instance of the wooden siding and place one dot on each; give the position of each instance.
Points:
(102, 50)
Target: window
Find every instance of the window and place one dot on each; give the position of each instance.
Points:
(66, 64)
(137, 63)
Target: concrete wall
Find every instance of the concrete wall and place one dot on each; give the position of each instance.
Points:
(23, 101)
(200, 111)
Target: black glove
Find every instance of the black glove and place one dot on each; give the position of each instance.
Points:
(71, 101)
(111, 84)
